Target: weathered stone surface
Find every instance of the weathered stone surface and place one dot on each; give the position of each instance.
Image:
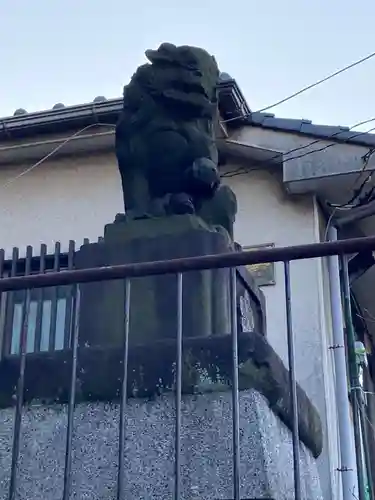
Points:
(266, 451)
(250, 299)
(153, 305)
(165, 138)
(207, 367)
(206, 449)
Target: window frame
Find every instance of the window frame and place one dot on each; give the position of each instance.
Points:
(42, 263)
(40, 296)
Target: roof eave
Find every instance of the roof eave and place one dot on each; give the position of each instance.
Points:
(340, 135)
(231, 102)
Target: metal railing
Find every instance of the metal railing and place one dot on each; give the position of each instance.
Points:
(50, 310)
(178, 267)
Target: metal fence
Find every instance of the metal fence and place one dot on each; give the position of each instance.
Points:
(50, 309)
(61, 274)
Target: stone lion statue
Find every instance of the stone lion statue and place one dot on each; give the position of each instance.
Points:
(165, 140)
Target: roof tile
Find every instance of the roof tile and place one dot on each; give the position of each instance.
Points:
(306, 127)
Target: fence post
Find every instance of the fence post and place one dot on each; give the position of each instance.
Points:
(292, 382)
(21, 383)
(124, 396)
(2, 305)
(52, 326)
(235, 385)
(72, 397)
(177, 491)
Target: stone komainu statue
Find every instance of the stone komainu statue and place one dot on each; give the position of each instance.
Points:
(165, 139)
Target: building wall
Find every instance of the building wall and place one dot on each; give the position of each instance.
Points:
(73, 199)
(58, 201)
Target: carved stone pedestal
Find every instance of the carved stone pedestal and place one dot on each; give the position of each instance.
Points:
(206, 450)
(153, 305)
(206, 433)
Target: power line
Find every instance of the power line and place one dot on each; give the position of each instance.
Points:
(323, 80)
(242, 170)
(358, 191)
(328, 146)
(51, 153)
(336, 134)
(308, 87)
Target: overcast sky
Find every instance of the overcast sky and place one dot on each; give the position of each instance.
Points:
(73, 50)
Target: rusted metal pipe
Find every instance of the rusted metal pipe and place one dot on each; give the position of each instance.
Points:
(233, 259)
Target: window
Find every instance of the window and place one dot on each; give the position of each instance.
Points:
(50, 309)
(49, 320)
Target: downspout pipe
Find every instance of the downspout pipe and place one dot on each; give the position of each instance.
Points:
(348, 467)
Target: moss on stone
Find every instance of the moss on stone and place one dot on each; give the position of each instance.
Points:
(207, 367)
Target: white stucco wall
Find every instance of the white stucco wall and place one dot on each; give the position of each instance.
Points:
(74, 199)
(58, 201)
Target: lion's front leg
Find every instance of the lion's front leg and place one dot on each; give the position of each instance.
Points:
(180, 204)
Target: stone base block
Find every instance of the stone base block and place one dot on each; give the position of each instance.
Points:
(266, 451)
(153, 299)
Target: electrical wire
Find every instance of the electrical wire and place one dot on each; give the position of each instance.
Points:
(370, 318)
(244, 170)
(308, 87)
(51, 153)
(319, 82)
(328, 225)
(239, 171)
(364, 414)
(324, 148)
(299, 148)
(336, 134)
(295, 94)
(357, 192)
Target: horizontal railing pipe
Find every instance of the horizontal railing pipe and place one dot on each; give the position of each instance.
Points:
(233, 259)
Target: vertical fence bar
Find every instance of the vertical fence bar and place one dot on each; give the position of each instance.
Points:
(124, 396)
(69, 299)
(54, 298)
(40, 295)
(2, 304)
(21, 382)
(177, 477)
(2, 258)
(235, 385)
(355, 387)
(10, 306)
(72, 397)
(292, 383)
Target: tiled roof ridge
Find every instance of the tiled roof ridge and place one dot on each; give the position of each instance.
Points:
(307, 127)
(257, 119)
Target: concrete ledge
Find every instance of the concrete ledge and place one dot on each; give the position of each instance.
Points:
(266, 451)
(207, 367)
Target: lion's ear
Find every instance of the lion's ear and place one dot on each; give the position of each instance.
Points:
(167, 52)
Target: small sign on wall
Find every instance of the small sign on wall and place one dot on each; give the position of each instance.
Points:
(263, 274)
